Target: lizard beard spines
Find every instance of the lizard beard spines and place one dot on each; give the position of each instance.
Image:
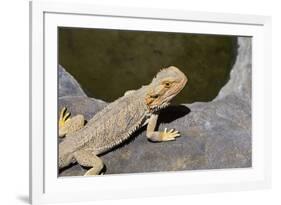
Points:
(156, 108)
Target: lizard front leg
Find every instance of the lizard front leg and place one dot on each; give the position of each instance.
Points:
(88, 159)
(159, 136)
(69, 124)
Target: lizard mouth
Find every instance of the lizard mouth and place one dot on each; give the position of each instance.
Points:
(169, 96)
(174, 92)
(166, 89)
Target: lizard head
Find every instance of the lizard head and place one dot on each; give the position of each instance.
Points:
(164, 87)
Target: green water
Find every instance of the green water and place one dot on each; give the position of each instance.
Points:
(106, 63)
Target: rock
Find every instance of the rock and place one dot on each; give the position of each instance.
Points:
(68, 85)
(81, 105)
(214, 135)
(240, 82)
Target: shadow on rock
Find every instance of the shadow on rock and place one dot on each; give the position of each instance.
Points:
(173, 113)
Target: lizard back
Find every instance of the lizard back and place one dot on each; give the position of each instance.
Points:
(111, 126)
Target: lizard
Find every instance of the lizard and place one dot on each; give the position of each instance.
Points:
(115, 123)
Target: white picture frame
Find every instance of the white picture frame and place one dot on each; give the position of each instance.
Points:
(46, 187)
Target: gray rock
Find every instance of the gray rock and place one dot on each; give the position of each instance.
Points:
(214, 135)
(81, 105)
(68, 85)
(240, 82)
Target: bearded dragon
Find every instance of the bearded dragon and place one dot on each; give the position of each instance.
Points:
(117, 121)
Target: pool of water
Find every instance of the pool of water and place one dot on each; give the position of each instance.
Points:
(107, 63)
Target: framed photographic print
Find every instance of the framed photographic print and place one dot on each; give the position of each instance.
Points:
(134, 102)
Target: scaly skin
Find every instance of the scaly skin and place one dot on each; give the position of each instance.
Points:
(117, 121)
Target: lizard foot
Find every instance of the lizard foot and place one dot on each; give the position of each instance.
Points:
(64, 117)
(169, 135)
(68, 124)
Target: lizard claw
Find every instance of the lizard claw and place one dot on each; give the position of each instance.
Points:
(63, 121)
(64, 117)
(68, 124)
(169, 135)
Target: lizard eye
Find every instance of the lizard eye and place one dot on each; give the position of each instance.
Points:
(167, 84)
